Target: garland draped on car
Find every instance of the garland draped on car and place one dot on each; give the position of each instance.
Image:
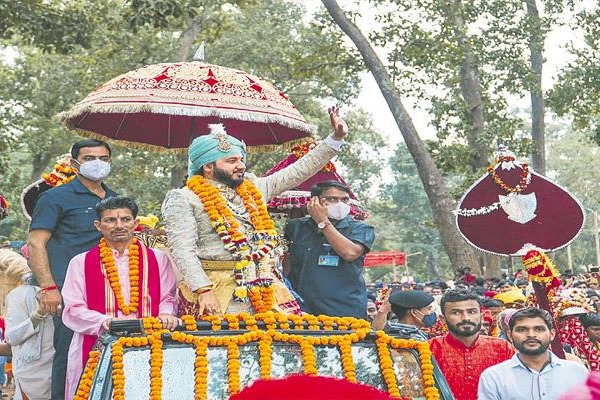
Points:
(359, 329)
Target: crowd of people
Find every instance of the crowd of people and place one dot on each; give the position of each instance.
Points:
(85, 266)
(488, 334)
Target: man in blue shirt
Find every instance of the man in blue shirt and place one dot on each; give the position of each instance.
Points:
(62, 226)
(533, 372)
(327, 249)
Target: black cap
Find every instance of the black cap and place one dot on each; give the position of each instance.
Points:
(411, 299)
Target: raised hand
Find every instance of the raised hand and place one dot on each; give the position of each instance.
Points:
(340, 129)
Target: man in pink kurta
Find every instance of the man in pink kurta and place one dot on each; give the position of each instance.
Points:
(90, 301)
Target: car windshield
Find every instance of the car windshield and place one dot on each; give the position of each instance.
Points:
(178, 369)
(214, 359)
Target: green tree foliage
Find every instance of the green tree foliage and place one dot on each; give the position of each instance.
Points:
(577, 91)
(52, 66)
(571, 160)
(404, 221)
(426, 59)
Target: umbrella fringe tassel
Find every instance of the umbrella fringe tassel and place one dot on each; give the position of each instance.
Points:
(266, 148)
(67, 117)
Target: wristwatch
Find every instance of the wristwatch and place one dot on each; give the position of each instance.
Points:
(321, 225)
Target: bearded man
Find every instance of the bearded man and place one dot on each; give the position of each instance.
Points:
(541, 373)
(463, 353)
(220, 235)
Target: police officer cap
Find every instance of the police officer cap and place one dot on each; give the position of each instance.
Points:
(411, 299)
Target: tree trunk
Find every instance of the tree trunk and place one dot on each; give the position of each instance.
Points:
(40, 162)
(187, 38)
(433, 266)
(459, 252)
(492, 266)
(471, 92)
(538, 127)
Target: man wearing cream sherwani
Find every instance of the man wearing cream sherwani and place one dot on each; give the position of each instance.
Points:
(211, 281)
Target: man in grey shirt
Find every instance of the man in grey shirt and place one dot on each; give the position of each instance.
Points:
(540, 374)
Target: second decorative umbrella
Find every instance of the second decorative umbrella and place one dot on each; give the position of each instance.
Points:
(168, 105)
(292, 201)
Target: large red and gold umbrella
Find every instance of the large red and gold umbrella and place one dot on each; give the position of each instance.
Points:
(168, 105)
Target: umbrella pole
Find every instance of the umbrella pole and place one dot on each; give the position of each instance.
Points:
(192, 130)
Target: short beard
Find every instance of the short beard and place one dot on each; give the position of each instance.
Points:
(536, 352)
(225, 178)
(457, 332)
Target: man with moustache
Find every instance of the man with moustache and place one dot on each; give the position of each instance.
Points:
(541, 374)
(118, 279)
(463, 353)
(220, 235)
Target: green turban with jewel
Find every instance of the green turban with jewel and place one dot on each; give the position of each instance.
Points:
(212, 147)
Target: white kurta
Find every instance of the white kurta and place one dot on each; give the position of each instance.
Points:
(83, 321)
(189, 232)
(32, 348)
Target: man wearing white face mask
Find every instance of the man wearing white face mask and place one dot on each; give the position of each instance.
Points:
(326, 254)
(62, 226)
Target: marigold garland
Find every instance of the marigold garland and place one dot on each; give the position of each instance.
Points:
(264, 339)
(326, 321)
(523, 181)
(156, 363)
(118, 376)
(347, 360)
(190, 322)
(233, 367)
(201, 369)
(262, 297)
(227, 227)
(233, 322)
(152, 324)
(61, 173)
(112, 274)
(87, 377)
(387, 365)
(265, 351)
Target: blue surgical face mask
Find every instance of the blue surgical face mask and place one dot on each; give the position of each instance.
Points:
(429, 319)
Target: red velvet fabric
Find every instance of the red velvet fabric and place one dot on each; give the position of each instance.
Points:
(297, 387)
(285, 201)
(559, 216)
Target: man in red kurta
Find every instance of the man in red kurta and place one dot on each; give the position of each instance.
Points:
(463, 354)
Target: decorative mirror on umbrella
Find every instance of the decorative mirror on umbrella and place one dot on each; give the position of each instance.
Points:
(292, 203)
(511, 209)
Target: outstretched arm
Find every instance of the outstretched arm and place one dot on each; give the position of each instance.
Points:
(301, 170)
